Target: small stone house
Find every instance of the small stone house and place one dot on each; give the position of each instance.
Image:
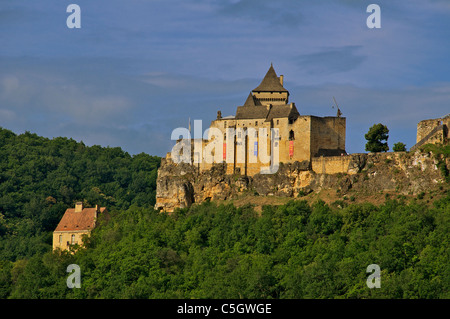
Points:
(75, 223)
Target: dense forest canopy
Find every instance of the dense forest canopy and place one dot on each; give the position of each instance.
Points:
(296, 250)
(40, 178)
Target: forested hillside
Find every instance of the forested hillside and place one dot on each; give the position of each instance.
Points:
(40, 178)
(291, 251)
(296, 250)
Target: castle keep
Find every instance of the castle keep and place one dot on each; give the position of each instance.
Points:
(267, 123)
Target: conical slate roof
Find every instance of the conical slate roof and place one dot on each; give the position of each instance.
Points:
(251, 101)
(270, 83)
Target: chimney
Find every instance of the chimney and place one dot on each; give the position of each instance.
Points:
(281, 79)
(78, 207)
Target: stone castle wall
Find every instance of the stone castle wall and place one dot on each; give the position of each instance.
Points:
(331, 164)
(327, 136)
(425, 127)
(299, 140)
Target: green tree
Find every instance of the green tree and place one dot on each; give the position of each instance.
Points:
(375, 137)
(399, 147)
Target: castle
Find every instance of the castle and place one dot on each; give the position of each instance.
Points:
(268, 135)
(311, 149)
(267, 125)
(266, 131)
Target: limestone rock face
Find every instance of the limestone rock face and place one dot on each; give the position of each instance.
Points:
(357, 163)
(181, 185)
(173, 193)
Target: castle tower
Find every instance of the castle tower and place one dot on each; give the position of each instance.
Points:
(271, 90)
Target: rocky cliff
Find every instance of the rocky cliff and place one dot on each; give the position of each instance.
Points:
(181, 185)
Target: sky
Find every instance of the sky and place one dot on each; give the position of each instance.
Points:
(138, 69)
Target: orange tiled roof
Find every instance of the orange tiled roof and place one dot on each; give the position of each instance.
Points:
(84, 220)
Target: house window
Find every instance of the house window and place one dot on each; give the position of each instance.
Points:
(73, 239)
(278, 122)
(60, 239)
(256, 123)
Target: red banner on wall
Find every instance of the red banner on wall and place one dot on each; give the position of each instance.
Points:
(224, 151)
(291, 148)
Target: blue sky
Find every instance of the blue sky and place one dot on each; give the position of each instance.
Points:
(138, 69)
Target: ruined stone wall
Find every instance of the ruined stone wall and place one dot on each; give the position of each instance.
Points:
(433, 131)
(425, 127)
(438, 137)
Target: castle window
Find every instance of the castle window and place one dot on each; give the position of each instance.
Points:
(60, 239)
(73, 239)
(291, 135)
(278, 122)
(225, 124)
(256, 123)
